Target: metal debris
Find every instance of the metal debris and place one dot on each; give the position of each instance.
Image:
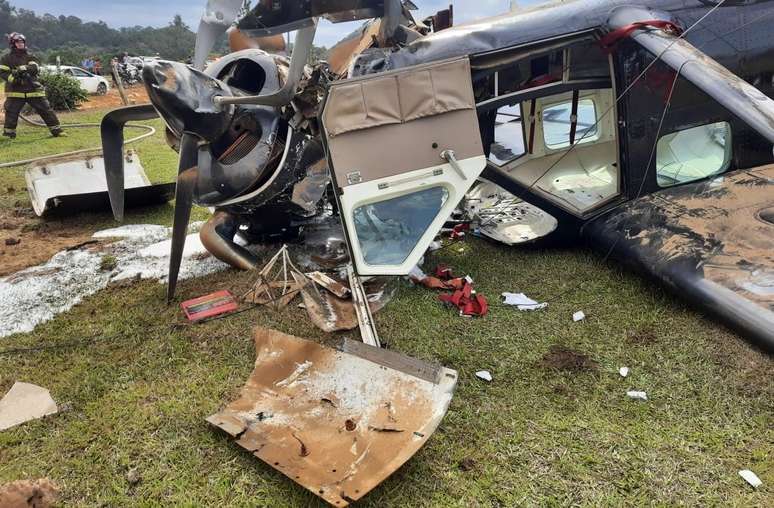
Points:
(345, 421)
(332, 285)
(25, 402)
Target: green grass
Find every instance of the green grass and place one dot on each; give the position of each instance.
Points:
(137, 397)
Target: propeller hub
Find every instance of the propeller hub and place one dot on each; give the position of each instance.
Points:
(185, 99)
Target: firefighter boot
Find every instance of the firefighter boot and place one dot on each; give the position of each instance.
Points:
(9, 134)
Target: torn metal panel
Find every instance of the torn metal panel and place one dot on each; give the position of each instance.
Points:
(337, 422)
(73, 185)
(708, 241)
(332, 285)
(25, 402)
(501, 216)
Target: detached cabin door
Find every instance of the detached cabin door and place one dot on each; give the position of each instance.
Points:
(404, 147)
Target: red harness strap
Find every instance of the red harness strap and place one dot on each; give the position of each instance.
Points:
(609, 41)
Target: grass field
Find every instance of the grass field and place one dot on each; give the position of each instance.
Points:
(543, 433)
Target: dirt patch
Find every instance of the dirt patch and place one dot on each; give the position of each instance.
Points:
(561, 358)
(38, 240)
(645, 335)
(29, 493)
(467, 464)
(136, 95)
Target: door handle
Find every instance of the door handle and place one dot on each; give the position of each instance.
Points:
(448, 156)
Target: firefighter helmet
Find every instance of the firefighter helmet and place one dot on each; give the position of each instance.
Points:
(14, 38)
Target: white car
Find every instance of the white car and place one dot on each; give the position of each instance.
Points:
(90, 82)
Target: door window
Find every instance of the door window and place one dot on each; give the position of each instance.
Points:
(693, 154)
(389, 230)
(557, 121)
(80, 74)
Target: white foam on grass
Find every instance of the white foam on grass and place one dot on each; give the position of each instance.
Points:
(35, 295)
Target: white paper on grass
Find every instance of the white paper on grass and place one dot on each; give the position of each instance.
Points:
(623, 371)
(485, 375)
(637, 395)
(578, 316)
(522, 301)
(750, 478)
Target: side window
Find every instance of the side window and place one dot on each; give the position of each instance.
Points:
(389, 230)
(557, 121)
(508, 136)
(693, 154)
(67, 72)
(79, 73)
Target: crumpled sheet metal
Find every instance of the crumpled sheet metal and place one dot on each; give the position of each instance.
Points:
(336, 421)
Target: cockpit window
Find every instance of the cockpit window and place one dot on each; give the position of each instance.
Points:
(693, 154)
(557, 122)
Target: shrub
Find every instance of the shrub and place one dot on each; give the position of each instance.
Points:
(63, 92)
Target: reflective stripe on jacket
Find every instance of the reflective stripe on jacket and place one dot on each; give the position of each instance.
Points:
(9, 62)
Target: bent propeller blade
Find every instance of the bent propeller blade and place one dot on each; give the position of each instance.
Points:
(112, 133)
(186, 185)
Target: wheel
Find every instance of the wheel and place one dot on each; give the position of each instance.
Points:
(101, 89)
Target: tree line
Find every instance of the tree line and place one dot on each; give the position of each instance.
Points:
(72, 39)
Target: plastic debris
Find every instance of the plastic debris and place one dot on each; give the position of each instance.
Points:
(624, 371)
(522, 301)
(485, 375)
(750, 478)
(209, 306)
(578, 316)
(637, 395)
(25, 402)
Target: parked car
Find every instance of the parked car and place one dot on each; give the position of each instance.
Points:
(90, 82)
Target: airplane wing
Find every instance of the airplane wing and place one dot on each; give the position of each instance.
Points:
(711, 242)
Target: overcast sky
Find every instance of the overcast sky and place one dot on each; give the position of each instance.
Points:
(118, 13)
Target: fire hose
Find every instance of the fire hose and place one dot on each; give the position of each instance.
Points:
(150, 131)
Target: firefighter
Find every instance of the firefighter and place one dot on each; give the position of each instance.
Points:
(19, 69)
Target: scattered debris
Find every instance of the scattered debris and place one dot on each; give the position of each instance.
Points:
(637, 395)
(469, 303)
(275, 285)
(12, 241)
(501, 216)
(751, 478)
(485, 375)
(25, 402)
(344, 423)
(141, 252)
(208, 306)
(444, 282)
(523, 302)
(578, 316)
(334, 286)
(623, 371)
(561, 358)
(41, 493)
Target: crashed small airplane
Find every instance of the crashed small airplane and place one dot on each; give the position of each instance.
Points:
(645, 131)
